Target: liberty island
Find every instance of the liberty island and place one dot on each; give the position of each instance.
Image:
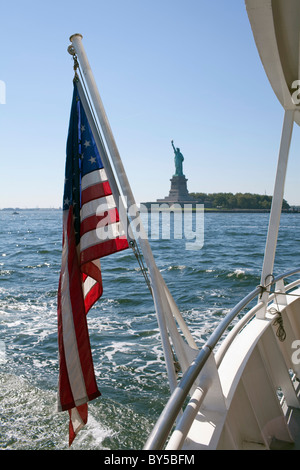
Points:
(179, 197)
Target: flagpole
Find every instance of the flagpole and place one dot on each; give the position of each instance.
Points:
(159, 295)
(76, 40)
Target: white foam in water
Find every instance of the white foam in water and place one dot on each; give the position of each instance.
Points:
(32, 420)
(237, 273)
(2, 352)
(92, 436)
(118, 347)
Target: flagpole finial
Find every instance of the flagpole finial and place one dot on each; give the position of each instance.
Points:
(71, 48)
(76, 34)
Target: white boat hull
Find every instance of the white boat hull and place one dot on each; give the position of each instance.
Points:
(258, 376)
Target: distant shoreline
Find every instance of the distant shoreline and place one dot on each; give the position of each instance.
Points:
(247, 211)
(14, 209)
(147, 207)
(208, 210)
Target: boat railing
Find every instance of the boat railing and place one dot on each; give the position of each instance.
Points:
(165, 423)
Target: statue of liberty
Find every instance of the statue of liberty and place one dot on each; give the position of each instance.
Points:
(178, 160)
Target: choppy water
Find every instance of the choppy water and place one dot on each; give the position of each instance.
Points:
(123, 329)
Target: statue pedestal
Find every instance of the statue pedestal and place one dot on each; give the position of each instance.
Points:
(178, 192)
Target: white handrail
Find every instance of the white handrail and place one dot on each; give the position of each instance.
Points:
(179, 435)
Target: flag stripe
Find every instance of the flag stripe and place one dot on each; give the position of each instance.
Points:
(98, 206)
(92, 296)
(69, 337)
(92, 283)
(95, 191)
(92, 178)
(78, 418)
(91, 223)
(92, 270)
(104, 249)
(88, 285)
(100, 235)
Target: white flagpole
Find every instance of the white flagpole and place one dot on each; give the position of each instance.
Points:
(159, 294)
(274, 222)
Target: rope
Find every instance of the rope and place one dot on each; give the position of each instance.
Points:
(139, 258)
(280, 333)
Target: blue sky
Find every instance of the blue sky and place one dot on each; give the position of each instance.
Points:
(186, 70)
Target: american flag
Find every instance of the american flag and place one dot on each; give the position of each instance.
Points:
(91, 230)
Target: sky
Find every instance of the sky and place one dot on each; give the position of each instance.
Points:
(182, 70)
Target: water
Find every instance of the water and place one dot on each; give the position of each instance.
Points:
(124, 335)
